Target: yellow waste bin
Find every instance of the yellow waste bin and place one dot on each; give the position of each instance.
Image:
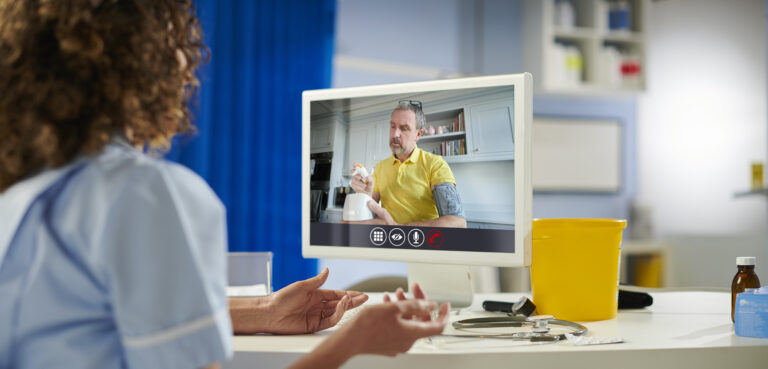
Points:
(575, 267)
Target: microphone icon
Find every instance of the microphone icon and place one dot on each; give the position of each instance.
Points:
(416, 237)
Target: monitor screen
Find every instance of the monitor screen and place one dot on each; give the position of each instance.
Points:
(425, 172)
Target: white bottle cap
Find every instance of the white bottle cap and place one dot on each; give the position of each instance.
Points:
(746, 260)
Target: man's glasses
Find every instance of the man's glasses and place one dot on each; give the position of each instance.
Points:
(413, 103)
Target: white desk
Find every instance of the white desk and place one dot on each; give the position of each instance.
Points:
(688, 330)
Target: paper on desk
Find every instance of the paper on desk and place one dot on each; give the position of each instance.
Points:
(585, 340)
(247, 291)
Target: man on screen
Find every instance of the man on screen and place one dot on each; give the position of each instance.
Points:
(415, 187)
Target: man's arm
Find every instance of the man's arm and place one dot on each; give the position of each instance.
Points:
(383, 217)
(449, 208)
(447, 201)
(448, 221)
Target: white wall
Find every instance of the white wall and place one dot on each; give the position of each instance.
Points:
(398, 41)
(485, 185)
(702, 121)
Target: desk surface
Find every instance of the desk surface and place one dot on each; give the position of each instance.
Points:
(680, 329)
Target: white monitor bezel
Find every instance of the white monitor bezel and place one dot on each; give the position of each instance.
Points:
(522, 155)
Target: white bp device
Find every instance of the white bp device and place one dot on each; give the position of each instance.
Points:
(356, 204)
(356, 207)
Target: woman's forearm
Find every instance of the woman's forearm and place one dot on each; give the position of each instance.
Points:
(332, 353)
(248, 314)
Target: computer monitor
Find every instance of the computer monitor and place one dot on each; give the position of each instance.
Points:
(456, 184)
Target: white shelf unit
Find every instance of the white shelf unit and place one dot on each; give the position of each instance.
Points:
(453, 141)
(611, 61)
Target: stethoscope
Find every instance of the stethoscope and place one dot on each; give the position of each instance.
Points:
(517, 315)
(540, 328)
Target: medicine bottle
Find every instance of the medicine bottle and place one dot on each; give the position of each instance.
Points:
(745, 278)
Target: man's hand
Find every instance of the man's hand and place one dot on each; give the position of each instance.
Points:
(359, 186)
(303, 308)
(382, 215)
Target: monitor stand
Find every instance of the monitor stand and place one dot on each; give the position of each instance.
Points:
(442, 282)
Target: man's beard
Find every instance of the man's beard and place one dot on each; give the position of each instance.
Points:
(397, 150)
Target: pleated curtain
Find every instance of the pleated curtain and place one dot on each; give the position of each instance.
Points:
(264, 53)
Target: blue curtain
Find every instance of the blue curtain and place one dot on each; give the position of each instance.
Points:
(264, 53)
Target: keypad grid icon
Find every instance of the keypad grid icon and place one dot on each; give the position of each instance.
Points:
(378, 236)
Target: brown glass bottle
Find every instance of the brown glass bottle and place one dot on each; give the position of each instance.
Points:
(745, 278)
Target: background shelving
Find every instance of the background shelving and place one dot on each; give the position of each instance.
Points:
(452, 139)
(585, 54)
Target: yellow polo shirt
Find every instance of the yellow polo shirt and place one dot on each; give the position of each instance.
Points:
(406, 187)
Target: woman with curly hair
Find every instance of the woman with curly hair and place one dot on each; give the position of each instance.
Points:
(110, 257)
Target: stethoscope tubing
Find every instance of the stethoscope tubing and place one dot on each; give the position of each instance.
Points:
(500, 322)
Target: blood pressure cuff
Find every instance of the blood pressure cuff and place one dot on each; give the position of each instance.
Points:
(447, 200)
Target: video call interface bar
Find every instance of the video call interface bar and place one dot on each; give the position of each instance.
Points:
(405, 237)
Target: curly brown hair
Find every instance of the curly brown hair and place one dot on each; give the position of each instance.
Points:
(75, 72)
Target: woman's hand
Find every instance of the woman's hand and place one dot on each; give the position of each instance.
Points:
(391, 328)
(298, 308)
(385, 329)
(302, 307)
